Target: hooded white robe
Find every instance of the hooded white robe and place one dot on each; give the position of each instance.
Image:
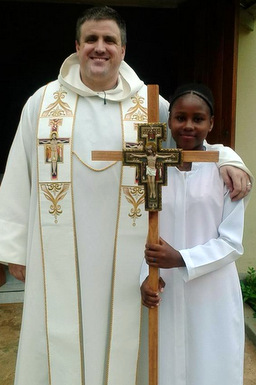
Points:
(97, 126)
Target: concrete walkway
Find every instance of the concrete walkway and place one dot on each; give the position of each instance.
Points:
(11, 303)
(10, 319)
(249, 363)
(250, 347)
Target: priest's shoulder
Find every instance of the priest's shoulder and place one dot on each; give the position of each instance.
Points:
(33, 103)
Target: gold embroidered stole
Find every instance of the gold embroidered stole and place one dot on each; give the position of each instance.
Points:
(54, 147)
(130, 242)
(56, 208)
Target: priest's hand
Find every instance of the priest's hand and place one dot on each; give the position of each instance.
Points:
(163, 255)
(18, 271)
(237, 181)
(149, 297)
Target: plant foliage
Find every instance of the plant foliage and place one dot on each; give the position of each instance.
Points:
(248, 286)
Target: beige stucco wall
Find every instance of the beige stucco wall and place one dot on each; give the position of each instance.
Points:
(245, 143)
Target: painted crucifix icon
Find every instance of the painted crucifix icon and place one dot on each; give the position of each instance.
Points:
(53, 147)
(151, 162)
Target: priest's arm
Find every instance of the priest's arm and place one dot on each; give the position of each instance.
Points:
(237, 177)
(233, 170)
(15, 195)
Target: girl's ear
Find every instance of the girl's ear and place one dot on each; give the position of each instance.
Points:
(211, 123)
(169, 119)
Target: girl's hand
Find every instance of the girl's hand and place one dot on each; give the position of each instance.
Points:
(163, 255)
(149, 297)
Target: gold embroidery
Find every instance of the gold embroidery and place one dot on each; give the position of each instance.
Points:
(55, 192)
(135, 196)
(59, 107)
(138, 112)
(91, 168)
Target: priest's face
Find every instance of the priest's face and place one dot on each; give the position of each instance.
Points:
(190, 122)
(100, 53)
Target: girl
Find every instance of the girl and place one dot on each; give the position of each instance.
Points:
(201, 324)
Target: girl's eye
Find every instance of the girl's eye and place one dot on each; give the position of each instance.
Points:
(198, 119)
(180, 118)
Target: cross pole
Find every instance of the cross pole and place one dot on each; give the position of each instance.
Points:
(151, 162)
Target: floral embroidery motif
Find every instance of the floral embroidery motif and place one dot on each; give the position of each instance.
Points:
(55, 192)
(136, 197)
(59, 107)
(138, 112)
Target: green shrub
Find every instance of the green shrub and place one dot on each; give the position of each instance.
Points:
(248, 286)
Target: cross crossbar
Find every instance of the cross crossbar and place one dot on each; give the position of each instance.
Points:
(187, 156)
(152, 161)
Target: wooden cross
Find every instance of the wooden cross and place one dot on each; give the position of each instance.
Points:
(53, 147)
(151, 162)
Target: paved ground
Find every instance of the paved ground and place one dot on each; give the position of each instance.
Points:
(250, 363)
(10, 317)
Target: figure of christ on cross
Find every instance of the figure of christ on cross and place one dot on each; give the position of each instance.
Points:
(151, 135)
(54, 147)
(152, 161)
(150, 168)
(54, 152)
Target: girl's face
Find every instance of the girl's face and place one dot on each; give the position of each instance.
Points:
(190, 121)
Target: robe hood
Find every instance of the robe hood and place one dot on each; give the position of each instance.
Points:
(128, 82)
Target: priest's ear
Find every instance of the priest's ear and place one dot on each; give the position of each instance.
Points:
(77, 46)
(123, 50)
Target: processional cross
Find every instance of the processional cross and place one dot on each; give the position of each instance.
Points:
(151, 162)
